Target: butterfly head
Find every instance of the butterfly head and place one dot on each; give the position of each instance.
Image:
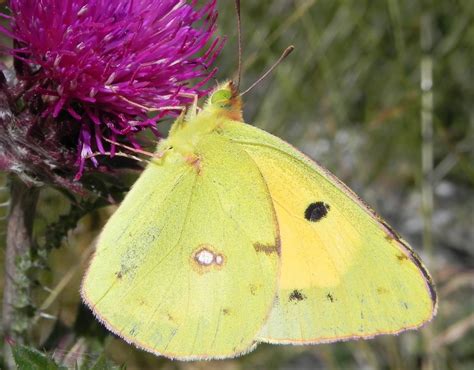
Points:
(225, 101)
(223, 104)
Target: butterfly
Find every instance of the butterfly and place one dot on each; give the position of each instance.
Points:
(231, 237)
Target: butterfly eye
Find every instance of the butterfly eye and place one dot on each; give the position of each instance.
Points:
(316, 211)
(221, 98)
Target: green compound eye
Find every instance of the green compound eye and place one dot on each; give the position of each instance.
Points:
(221, 98)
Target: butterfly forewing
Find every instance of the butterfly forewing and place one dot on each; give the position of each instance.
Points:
(344, 273)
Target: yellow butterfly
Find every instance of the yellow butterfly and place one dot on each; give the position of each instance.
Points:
(232, 237)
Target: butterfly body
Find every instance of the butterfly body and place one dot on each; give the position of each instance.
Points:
(232, 237)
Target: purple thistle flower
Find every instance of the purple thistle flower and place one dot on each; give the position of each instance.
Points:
(104, 65)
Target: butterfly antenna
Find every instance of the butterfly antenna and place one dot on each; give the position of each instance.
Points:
(239, 41)
(116, 154)
(136, 150)
(287, 52)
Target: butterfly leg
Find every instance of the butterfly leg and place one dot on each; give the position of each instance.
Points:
(193, 109)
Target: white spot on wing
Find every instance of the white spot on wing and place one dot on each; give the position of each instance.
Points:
(205, 257)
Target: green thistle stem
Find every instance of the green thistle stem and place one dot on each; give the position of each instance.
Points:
(16, 294)
(427, 157)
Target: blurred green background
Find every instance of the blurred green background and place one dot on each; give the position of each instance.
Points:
(382, 94)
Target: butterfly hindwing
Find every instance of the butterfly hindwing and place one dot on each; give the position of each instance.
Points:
(344, 273)
(187, 267)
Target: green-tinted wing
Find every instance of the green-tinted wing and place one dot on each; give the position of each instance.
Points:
(187, 266)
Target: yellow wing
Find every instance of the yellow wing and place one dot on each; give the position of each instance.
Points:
(187, 267)
(344, 274)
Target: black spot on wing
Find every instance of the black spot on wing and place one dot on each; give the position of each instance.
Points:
(296, 295)
(253, 289)
(268, 249)
(330, 297)
(388, 237)
(316, 211)
(133, 331)
(401, 257)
